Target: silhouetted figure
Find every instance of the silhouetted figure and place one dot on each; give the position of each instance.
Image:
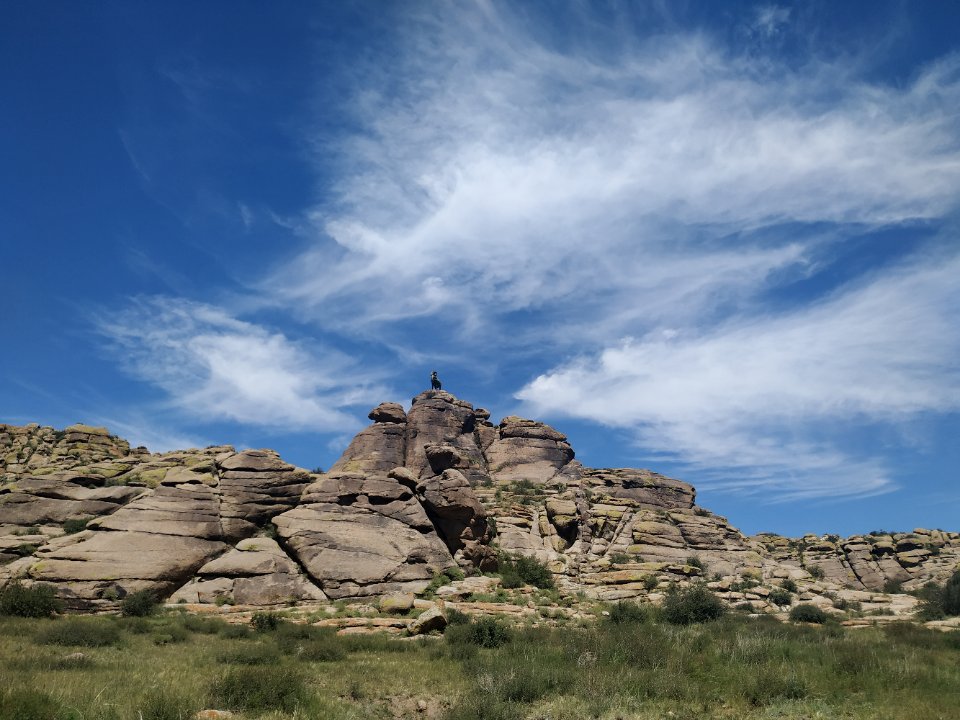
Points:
(435, 381)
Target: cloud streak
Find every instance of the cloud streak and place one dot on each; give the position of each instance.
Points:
(753, 401)
(494, 170)
(546, 200)
(214, 366)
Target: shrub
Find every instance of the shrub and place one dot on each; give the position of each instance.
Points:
(808, 614)
(74, 525)
(139, 604)
(519, 570)
(253, 654)
(455, 617)
(951, 595)
(265, 621)
(789, 585)
(769, 687)
(325, 648)
(160, 704)
(207, 626)
(34, 601)
(692, 605)
(628, 612)
(694, 561)
(484, 632)
(28, 705)
(170, 634)
(779, 596)
(816, 572)
(85, 632)
(260, 689)
(650, 582)
(235, 632)
(893, 586)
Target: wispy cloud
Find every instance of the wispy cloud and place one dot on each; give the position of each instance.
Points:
(212, 366)
(493, 174)
(753, 402)
(522, 195)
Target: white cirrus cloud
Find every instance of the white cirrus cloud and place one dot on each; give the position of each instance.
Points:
(493, 174)
(752, 403)
(214, 366)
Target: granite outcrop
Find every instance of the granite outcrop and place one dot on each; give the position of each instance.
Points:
(436, 488)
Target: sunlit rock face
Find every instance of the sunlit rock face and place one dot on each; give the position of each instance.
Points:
(420, 491)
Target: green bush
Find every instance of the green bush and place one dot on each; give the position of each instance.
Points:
(204, 625)
(252, 654)
(325, 648)
(74, 525)
(235, 632)
(519, 570)
(34, 601)
(484, 632)
(29, 705)
(808, 614)
(265, 621)
(259, 689)
(816, 572)
(455, 617)
(951, 595)
(779, 596)
(161, 704)
(139, 604)
(893, 586)
(693, 605)
(171, 633)
(694, 561)
(789, 585)
(84, 632)
(628, 612)
(768, 688)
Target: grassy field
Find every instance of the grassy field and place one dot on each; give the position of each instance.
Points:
(168, 666)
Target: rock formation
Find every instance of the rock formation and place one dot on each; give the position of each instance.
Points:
(416, 493)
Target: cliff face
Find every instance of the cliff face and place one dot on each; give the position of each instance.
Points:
(415, 493)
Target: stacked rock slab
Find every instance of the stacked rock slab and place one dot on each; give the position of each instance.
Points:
(151, 520)
(365, 527)
(256, 572)
(415, 493)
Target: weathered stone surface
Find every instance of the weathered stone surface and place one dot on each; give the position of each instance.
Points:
(355, 552)
(375, 450)
(189, 509)
(254, 486)
(397, 603)
(127, 560)
(388, 412)
(413, 494)
(256, 572)
(459, 517)
(527, 450)
(430, 621)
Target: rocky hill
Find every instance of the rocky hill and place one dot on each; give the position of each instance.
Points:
(417, 493)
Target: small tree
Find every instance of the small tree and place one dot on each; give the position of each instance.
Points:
(951, 595)
(808, 613)
(138, 604)
(693, 605)
(34, 601)
(519, 570)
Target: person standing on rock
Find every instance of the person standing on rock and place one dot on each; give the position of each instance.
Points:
(435, 381)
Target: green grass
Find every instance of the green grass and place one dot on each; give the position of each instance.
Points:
(629, 665)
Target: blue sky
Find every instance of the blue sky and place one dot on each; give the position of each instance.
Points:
(718, 240)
